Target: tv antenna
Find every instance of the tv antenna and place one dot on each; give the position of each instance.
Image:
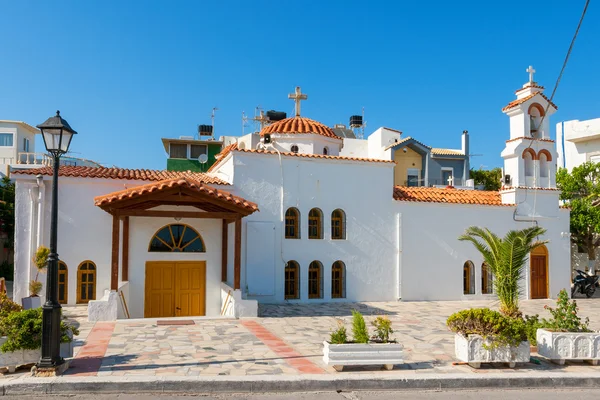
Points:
(212, 118)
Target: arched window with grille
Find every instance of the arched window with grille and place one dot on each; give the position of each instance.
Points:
(292, 280)
(292, 223)
(177, 238)
(338, 280)
(315, 280)
(487, 279)
(63, 283)
(468, 278)
(294, 148)
(86, 282)
(315, 224)
(338, 224)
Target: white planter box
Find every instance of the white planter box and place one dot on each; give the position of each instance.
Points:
(31, 302)
(14, 359)
(472, 351)
(562, 346)
(386, 354)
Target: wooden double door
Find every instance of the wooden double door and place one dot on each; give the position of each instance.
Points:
(175, 289)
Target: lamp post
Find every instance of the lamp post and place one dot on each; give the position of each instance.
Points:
(57, 135)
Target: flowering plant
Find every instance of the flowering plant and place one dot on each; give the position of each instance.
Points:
(564, 316)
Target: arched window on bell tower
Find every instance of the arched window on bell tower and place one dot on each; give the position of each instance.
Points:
(536, 112)
(528, 159)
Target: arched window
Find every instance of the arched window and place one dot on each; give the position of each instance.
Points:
(338, 280)
(63, 283)
(468, 278)
(315, 224)
(338, 224)
(86, 282)
(325, 151)
(545, 158)
(177, 238)
(292, 223)
(315, 280)
(528, 157)
(294, 148)
(487, 280)
(535, 112)
(292, 280)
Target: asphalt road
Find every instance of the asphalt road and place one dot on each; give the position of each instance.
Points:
(551, 394)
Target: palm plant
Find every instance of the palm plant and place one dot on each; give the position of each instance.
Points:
(506, 257)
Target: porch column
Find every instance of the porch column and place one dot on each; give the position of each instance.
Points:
(237, 261)
(114, 270)
(224, 247)
(125, 255)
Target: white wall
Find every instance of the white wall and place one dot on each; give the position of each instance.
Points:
(307, 144)
(577, 142)
(355, 148)
(433, 257)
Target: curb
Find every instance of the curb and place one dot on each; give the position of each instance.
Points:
(306, 383)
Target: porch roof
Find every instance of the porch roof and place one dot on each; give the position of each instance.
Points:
(181, 191)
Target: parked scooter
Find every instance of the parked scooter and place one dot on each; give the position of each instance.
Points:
(584, 284)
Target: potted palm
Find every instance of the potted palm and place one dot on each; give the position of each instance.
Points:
(486, 336)
(379, 349)
(565, 336)
(35, 287)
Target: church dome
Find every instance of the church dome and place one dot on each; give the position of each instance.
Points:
(298, 125)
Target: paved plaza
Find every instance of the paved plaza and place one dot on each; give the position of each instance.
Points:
(285, 340)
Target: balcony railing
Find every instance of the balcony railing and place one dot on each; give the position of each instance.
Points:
(40, 159)
(432, 182)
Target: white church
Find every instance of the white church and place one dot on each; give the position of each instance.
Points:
(293, 215)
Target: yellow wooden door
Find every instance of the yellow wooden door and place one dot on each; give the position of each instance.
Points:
(160, 290)
(190, 289)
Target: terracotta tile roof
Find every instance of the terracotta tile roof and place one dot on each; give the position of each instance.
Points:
(226, 150)
(406, 139)
(299, 125)
(530, 138)
(184, 181)
(516, 102)
(530, 85)
(448, 195)
(447, 152)
(121, 173)
(304, 155)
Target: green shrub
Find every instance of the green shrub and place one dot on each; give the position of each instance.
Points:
(532, 324)
(499, 329)
(23, 330)
(7, 306)
(383, 329)
(564, 316)
(339, 335)
(359, 328)
(35, 287)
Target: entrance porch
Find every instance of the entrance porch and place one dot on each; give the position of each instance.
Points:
(171, 247)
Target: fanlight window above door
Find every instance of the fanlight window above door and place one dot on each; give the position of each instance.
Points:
(176, 238)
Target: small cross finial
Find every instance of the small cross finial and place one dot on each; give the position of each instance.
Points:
(450, 180)
(531, 72)
(57, 113)
(297, 96)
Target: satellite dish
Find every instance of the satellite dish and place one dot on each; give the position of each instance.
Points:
(203, 158)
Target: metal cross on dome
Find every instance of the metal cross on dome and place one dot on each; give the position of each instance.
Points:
(297, 96)
(531, 72)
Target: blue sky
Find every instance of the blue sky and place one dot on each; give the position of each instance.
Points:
(126, 73)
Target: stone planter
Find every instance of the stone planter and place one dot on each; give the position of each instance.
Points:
(562, 346)
(339, 355)
(31, 302)
(472, 351)
(13, 359)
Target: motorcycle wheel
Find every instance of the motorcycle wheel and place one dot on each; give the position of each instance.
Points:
(589, 292)
(573, 290)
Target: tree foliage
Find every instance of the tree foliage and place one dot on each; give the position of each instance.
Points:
(506, 257)
(490, 179)
(580, 190)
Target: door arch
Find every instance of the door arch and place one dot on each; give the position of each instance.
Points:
(538, 273)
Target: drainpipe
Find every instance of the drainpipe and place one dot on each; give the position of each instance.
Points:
(399, 256)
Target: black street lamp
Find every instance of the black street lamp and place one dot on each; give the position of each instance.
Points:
(57, 136)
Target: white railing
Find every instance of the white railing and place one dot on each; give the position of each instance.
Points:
(34, 159)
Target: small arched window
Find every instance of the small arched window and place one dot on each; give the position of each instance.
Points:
(338, 224)
(325, 151)
(177, 238)
(487, 279)
(292, 223)
(63, 283)
(315, 280)
(543, 165)
(528, 157)
(315, 224)
(86, 282)
(468, 278)
(338, 280)
(294, 148)
(292, 280)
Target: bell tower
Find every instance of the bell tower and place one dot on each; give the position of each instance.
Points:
(530, 154)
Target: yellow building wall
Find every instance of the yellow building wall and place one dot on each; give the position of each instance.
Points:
(405, 161)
